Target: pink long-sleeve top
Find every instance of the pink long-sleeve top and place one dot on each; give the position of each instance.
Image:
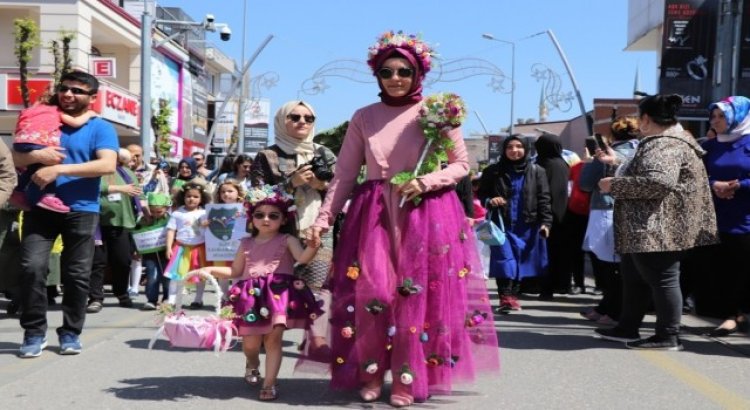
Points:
(387, 140)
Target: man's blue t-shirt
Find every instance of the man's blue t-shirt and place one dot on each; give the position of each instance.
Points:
(81, 144)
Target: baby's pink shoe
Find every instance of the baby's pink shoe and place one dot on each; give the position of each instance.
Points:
(53, 203)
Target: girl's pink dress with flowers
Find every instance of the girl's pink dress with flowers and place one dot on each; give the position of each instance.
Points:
(268, 294)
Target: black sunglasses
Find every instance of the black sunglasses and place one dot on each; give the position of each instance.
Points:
(403, 72)
(273, 216)
(74, 90)
(297, 117)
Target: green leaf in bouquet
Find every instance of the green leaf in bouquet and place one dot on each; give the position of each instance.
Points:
(402, 178)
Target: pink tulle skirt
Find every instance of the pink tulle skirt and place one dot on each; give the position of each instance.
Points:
(277, 299)
(419, 307)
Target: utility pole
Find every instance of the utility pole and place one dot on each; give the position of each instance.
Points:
(241, 101)
(146, 23)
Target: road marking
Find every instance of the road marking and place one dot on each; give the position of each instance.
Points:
(725, 397)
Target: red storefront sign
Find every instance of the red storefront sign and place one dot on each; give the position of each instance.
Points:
(36, 90)
(116, 106)
(102, 67)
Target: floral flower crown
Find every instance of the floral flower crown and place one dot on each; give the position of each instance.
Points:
(414, 43)
(270, 195)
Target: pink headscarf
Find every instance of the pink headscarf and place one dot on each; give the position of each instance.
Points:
(415, 92)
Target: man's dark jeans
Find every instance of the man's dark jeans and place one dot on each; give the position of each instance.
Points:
(40, 228)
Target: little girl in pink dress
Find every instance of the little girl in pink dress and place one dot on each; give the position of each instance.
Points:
(268, 298)
(39, 127)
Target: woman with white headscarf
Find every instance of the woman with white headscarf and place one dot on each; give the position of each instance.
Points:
(288, 162)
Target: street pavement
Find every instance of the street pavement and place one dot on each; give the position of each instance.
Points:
(549, 360)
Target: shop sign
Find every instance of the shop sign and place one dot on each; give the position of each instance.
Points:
(103, 67)
(116, 106)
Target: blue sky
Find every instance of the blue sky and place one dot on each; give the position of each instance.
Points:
(310, 34)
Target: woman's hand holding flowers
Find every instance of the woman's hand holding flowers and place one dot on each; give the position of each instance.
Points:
(411, 189)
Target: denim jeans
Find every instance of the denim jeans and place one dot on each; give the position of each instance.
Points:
(651, 276)
(40, 228)
(154, 264)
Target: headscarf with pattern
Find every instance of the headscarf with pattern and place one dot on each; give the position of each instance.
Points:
(735, 109)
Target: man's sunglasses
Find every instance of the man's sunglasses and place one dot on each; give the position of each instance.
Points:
(403, 72)
(74, 90)
(296, 118)
(273, 216)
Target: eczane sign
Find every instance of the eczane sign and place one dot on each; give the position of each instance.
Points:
(116, 106)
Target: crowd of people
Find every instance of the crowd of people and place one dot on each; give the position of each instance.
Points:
(404, 288)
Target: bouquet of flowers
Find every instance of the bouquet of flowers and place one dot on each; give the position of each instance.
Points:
(440, 113)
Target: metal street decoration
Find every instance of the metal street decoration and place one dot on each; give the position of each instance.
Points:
(449, 71)
(444, 72)
(551, 83)
(266, 80)
(354, 70)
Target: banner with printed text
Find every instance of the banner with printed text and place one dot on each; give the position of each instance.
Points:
(688, 43)
(227, 224)
(151, 239)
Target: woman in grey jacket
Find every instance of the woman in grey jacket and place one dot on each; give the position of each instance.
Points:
(663, 207)
(599, 240)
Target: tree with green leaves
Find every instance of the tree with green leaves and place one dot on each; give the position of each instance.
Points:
(333, 137)
(26, 34)
(162, 129)
(63, 62)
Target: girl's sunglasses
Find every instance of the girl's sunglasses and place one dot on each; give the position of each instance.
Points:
(296, 118)
(273, 216)
(403, 72)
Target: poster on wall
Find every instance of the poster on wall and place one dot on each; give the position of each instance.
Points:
(688, 44)
(227, 224)
(225, 124)
(494, 148)
(166, 86)
(256, 119)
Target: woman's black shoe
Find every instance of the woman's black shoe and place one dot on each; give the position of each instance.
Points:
(722, 331)
(743, 326)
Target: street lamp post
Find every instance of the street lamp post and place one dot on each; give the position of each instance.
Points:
(512, 75)
(147, 22)
(560, 51)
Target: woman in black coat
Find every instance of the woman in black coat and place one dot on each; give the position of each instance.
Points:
(516, 190)
(549, 157)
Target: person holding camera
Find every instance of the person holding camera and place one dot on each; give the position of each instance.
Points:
(305, 169)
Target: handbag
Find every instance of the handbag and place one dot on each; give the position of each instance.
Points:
(488, 232)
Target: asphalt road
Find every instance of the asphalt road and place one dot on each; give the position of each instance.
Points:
(549, 360)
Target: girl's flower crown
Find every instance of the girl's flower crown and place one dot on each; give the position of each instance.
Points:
(413, 43)
(270, 195)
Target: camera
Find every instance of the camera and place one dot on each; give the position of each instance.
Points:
(225, 33)
(320, 168)
(208, 23)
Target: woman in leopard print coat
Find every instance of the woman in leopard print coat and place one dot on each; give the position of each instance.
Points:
(663, 207)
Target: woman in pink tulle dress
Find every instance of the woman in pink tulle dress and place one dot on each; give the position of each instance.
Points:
(408, 291)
